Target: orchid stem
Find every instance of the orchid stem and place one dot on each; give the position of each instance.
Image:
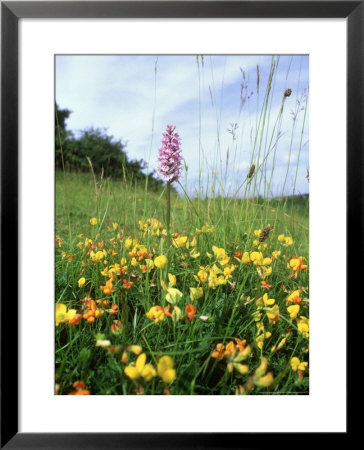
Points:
(168, 207)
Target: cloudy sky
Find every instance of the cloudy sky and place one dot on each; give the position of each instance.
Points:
(135, 97)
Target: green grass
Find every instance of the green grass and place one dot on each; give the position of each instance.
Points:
(189, 343)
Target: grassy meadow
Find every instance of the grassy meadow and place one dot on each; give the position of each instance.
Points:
(216, 305)
(215, 260)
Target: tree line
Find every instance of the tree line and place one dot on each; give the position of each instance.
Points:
(106, 153)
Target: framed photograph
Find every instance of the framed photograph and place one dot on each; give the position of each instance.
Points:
(180, 196)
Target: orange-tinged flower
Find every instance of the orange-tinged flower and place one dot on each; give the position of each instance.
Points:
(79, 385)
(75, 319)
(81, 392)
(103, 302)
(93, 312)
(230, 349)
(124, 357)
(166, 390)
(114, 309)
(114, 349)
(241, 344)
(108, 289)
(59, 241)
(296, 264)
(127, 284)
(191, 311)
(80, 389)
(239, 390)
(219, 352)
(166, 311)
(265, 284)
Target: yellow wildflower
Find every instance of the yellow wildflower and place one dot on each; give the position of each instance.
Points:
(296, 364)
(98, 256)
(228, 270)
(265, 380)
(172, 280)
(303, 326)
(221, 255)
(173, 295)
(81, 282)
(260, 339)
(147, 371)
(259, 378)
(293, 311)
(176, 313)
(134, 262)
(205, 229)
(128, 243)
(160, 261)
(215, 281)
(93, 221)
(196, 293)
(156, 313)
(268, 301)
(180, 241)
(194, 253)
(296, 263)
(273, 314)
(202, 275)
(136, 349)
(165, 369)
(245, 258)
(62, 315)
(256, 258)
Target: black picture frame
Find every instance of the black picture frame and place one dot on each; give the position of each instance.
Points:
(11, 12)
